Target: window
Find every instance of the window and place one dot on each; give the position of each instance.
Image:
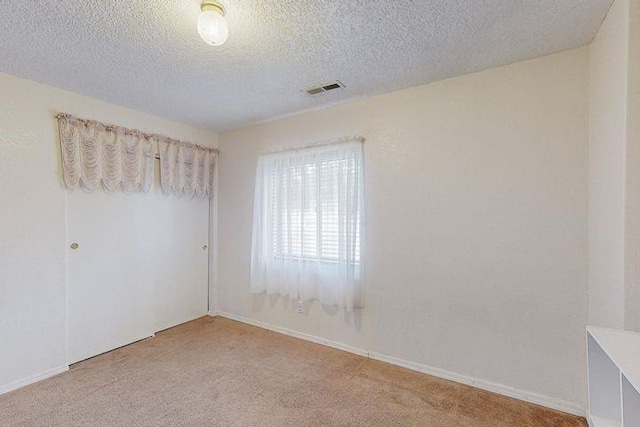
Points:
(308, 224)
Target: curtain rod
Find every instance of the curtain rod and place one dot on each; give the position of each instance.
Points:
(355, 138)
(129, 131)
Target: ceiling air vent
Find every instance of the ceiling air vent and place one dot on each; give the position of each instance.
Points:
(325, 88)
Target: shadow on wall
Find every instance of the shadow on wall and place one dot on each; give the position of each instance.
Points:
(258, 302)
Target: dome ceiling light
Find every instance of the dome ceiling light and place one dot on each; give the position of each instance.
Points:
(212, 25)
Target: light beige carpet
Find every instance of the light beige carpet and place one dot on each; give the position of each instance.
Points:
(217, 372)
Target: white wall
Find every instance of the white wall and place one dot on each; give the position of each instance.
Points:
(614, 170)
(607, 147)
(632, 277)
(32, 219)
(476, 221)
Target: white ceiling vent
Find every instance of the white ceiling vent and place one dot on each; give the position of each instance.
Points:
(325, 88)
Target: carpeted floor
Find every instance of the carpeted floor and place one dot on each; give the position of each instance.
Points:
(217, 372)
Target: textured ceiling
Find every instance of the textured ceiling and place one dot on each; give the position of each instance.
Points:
(148, 56)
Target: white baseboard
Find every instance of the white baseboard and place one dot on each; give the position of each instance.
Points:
(296, 334)
(538, 399)
(33, 379)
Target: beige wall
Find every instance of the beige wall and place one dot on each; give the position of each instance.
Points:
(32, 219)
(476, 221)
(607, 148)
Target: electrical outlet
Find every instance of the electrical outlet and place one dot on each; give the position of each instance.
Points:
(300, 307)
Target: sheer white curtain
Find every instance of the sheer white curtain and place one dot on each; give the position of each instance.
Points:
(308, 224)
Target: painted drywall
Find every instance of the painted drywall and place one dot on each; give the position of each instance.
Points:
(607, 147)
(476, 225)
(614, 170)
(32, 219)
(632, 232)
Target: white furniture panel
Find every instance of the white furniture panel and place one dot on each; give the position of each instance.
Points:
(614, 377)
(604, 380)
(630, 403)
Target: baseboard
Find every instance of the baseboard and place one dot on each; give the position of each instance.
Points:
(33, 379)
(296, 334)
(504, 390)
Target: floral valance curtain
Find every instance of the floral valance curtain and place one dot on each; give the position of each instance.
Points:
(186, 168)
(94, 153)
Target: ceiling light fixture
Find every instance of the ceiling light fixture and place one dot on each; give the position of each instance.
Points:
(212, 25)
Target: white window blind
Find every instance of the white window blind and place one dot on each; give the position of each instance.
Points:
(308, 224)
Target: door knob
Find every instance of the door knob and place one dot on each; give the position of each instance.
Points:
(74, 246)
(204, 247)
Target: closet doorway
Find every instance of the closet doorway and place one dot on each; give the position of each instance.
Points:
(140, 266)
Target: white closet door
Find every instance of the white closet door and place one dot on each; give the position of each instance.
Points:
(139, 267)
(181, 264)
